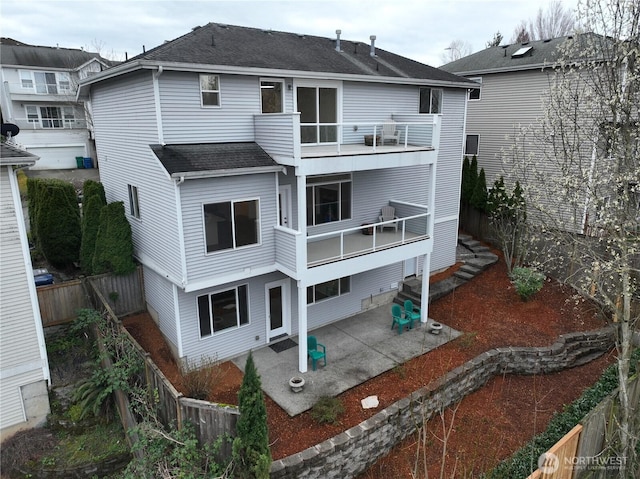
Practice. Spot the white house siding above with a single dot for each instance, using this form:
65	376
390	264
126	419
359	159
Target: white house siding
125	122
22	361
507	101
230	342
376	102
195	193
445	240
159	296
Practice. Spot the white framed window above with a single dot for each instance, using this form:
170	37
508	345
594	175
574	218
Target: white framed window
210	90
32	114
471	144
328	199
231	224
271	96
330	289
430	100
223	310
474	93
46	83
64	82
51	116
134	205
26	80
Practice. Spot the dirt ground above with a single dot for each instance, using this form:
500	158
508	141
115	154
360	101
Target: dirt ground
489	425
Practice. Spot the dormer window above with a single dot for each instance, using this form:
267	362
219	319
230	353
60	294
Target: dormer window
271	96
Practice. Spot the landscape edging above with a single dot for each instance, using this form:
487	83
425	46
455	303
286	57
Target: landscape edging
351	452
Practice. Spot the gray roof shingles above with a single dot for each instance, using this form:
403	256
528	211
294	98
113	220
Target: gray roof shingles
44	57
229	45
10	155
202	157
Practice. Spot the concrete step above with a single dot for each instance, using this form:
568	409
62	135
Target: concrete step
470	268
464	276
470	244
463	237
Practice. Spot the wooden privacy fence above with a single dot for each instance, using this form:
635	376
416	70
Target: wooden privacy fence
209	420
59	303
580	452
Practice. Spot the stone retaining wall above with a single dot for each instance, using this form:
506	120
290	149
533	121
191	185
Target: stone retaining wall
353	451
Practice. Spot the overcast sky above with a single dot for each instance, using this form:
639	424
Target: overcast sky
418	29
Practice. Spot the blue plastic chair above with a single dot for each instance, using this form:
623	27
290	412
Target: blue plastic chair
396	313
313	350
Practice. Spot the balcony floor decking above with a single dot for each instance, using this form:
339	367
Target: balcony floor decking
320	151
328	250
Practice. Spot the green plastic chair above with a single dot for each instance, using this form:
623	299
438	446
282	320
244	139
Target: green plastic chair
396	313
411	312
314	352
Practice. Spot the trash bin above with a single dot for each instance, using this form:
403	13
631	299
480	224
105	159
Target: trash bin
79	162
88	163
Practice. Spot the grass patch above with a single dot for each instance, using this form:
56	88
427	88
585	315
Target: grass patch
327	410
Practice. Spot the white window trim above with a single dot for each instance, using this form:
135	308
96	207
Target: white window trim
134	201
272	80
478	80
222	251
67	123
477	153
28	76
218	91
431	90
226	330
330	182
330	297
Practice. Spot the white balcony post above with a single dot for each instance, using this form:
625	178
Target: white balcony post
424	294
406	135
302	327
339	136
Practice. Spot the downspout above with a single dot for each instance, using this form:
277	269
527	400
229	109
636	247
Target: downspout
183	263
156	98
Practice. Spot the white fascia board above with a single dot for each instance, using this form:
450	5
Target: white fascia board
191	175
265	72
229	278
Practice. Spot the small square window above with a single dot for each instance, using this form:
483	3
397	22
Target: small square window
25	79
223	310
471	145
430	100
474	93
271	96
210	90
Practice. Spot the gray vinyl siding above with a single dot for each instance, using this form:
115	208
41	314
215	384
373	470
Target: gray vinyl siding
363	286
231	342
196	193
508	100
159	296
19	346
445	240
376	102
125	124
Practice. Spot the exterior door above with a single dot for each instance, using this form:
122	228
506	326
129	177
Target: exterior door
318	107
284	206
278	317
410	267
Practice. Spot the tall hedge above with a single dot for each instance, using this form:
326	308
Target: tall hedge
114	246
93	200
479	196
251	453
469	178
57	221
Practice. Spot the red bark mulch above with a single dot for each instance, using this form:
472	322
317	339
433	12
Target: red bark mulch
490	424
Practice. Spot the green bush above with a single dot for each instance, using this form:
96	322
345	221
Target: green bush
90	226
114	246
198	378
327	410
251	454
469	178
57	222
479	195
92	188
527	282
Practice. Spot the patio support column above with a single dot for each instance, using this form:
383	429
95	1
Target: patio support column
302	327
424	295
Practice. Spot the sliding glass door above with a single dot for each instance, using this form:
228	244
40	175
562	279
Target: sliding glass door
318	107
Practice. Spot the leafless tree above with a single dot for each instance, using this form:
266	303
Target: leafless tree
456	50
556	21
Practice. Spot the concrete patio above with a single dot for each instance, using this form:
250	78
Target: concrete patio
358	349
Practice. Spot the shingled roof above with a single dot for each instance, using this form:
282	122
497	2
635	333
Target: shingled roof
16	53
198	159
237	49
536	54
11	155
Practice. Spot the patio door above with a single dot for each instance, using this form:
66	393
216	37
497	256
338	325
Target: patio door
284	206
410	267
318	107
277	305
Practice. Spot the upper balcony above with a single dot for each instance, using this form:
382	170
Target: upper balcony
291	143
42	92
50	124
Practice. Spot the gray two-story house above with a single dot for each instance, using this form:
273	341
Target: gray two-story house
254	166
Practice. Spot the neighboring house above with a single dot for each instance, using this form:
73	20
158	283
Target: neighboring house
24	368
247	163
38	93
513	80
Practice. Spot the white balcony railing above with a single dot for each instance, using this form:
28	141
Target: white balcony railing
66	90
50	124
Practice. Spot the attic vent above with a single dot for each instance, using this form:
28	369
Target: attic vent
505	46
546	40
521	52
524	43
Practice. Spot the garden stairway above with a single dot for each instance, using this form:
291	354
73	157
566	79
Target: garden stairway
476	258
